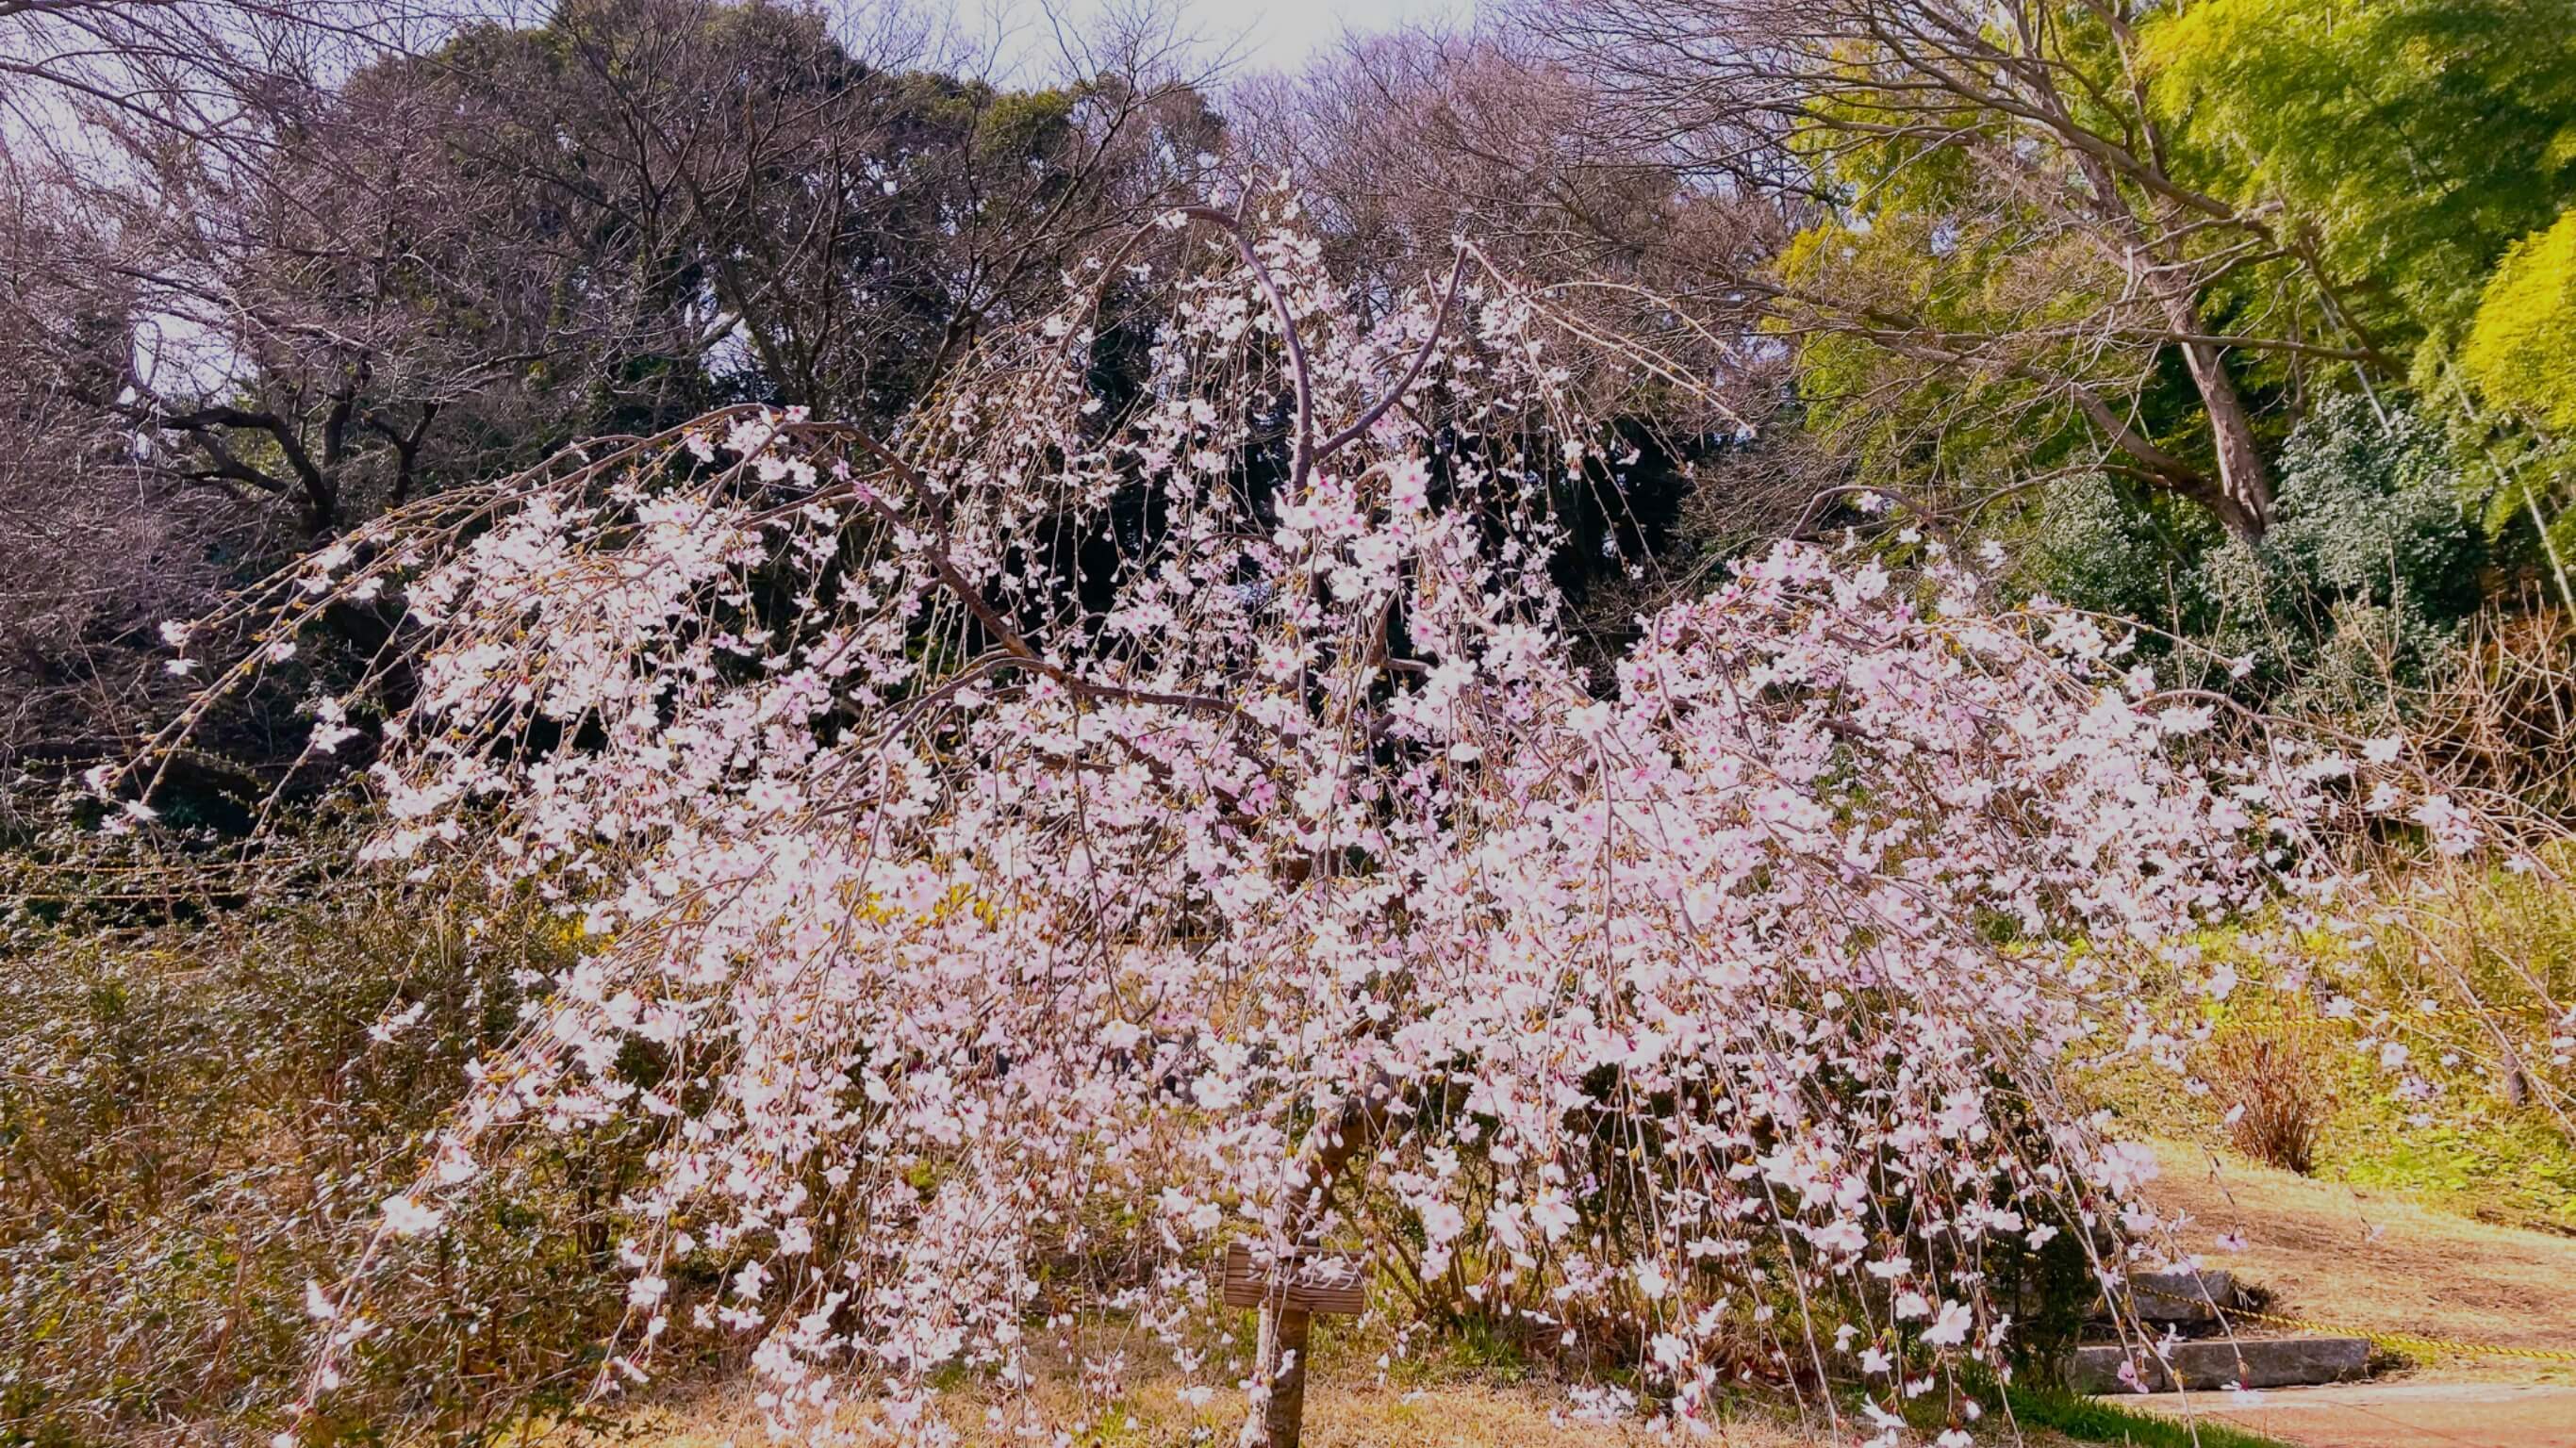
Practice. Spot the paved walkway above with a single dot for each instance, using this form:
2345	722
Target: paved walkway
2391	1415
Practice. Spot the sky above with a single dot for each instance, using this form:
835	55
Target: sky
1258	34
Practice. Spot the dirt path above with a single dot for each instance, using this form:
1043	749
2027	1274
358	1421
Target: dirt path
2378	1263
2374	1262
2394	1415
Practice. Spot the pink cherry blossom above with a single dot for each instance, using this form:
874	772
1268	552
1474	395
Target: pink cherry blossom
1280	874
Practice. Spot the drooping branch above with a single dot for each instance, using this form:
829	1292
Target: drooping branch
1422	355
1305	453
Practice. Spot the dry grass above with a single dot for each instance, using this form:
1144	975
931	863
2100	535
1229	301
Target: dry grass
2281	1089
2327	1250
1338	1415
2333	1252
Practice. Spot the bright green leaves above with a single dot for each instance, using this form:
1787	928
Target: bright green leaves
2521	349
1927	340
2420	151
2410	141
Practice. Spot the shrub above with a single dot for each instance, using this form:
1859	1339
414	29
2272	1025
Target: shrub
2504	719
2361	586
199	1120
2278	1094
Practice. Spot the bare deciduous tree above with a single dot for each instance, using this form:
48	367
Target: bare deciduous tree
2020	133
287	265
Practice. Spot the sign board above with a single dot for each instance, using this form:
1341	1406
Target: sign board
1312	1279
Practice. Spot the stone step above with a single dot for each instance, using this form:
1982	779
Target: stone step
2182	1296
2254	1362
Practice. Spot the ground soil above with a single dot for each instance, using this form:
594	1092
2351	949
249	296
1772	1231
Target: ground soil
2404	1414
1338	1415
2374	1262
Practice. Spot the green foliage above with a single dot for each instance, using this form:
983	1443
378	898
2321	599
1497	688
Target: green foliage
2098	544
2009	261
2508	393
2339	177
2370	511
2055	1289
2369	569
2091	1420
1907	418
2413	139
2368	572
2477	1134
1960	297
2521	349
2487	1144
2494	1164
1024	127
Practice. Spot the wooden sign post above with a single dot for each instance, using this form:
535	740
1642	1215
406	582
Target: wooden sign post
1288	1291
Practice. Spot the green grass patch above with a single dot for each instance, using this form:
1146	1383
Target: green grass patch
2091	1420
2493	1164
2483	1141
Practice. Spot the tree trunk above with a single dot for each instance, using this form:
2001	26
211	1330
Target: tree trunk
2244	485
2244	498
1279	1350
1279	1378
